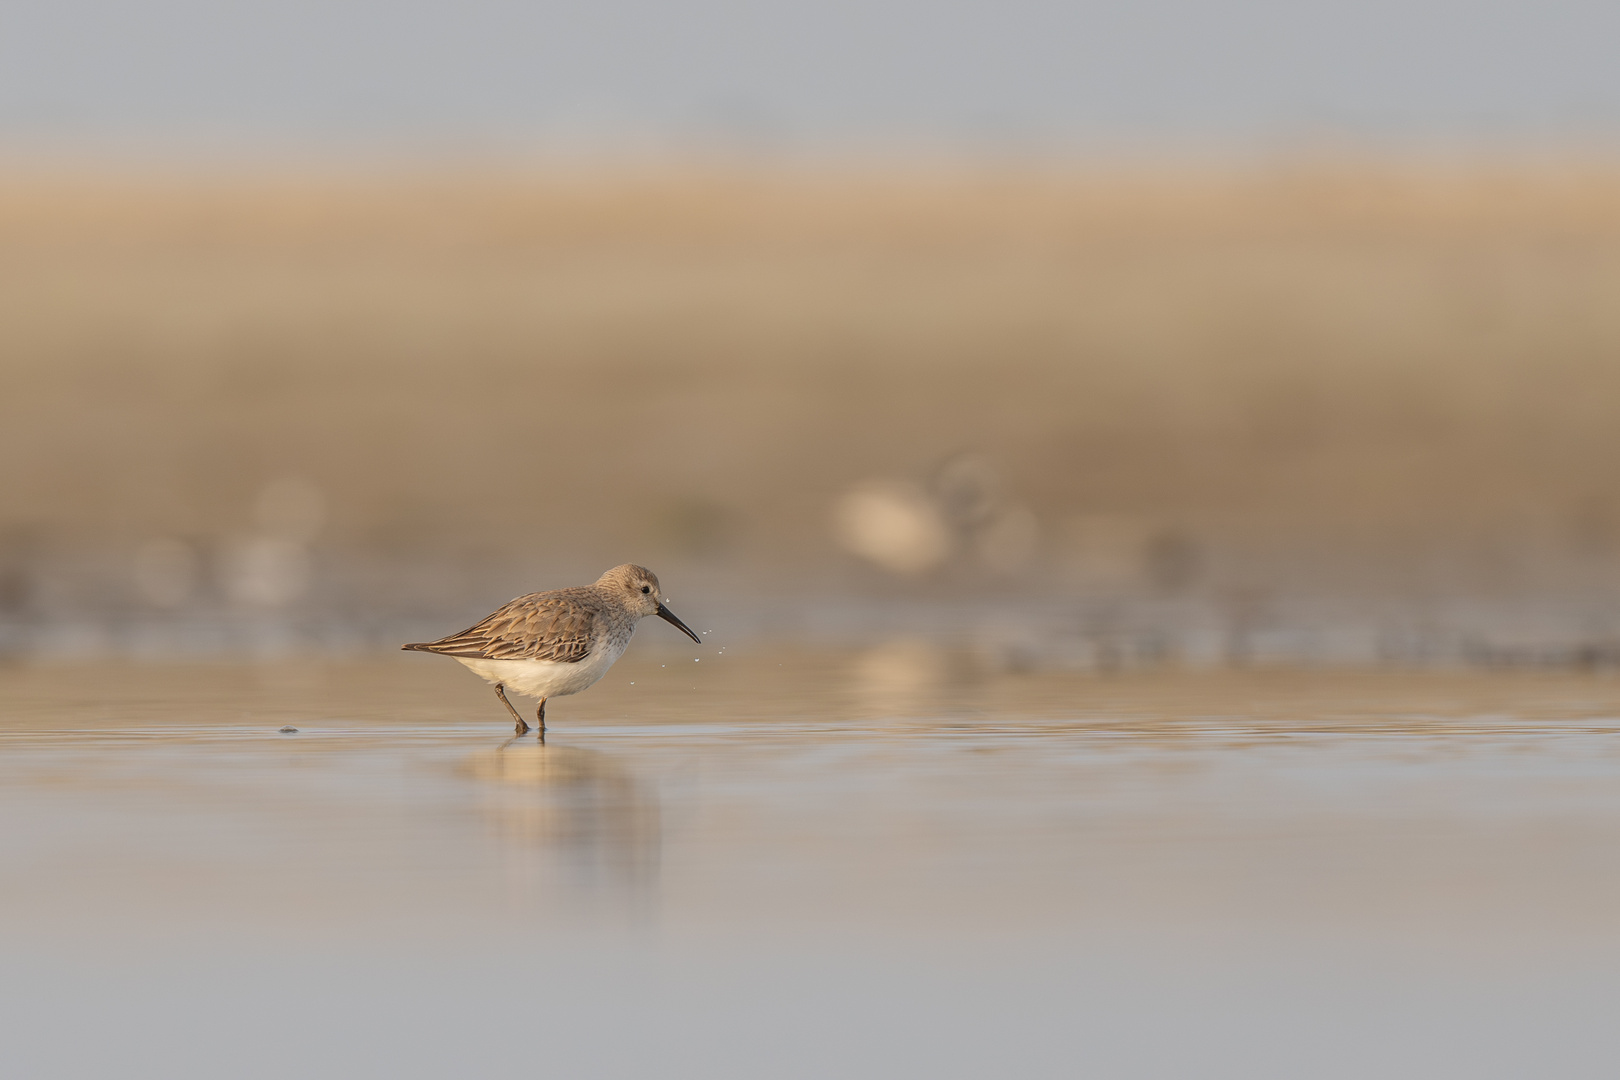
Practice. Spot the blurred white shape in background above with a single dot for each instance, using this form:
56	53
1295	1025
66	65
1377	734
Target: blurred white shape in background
912	529
266	571
273	567
166	572
896	525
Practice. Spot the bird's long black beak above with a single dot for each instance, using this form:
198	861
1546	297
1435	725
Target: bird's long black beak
669	617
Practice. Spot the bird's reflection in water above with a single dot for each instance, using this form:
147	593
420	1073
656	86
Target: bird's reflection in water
580	810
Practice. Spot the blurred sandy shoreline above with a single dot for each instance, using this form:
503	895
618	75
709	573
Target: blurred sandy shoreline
310	399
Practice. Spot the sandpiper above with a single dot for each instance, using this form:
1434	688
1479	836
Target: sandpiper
549	644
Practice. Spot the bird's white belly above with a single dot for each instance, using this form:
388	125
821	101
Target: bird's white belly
549	678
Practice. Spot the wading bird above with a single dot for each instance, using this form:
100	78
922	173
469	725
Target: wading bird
549	644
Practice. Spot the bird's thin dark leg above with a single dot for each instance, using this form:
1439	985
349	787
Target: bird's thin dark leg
540	718
522	727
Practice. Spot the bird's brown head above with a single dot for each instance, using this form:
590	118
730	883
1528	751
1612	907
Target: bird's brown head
640	589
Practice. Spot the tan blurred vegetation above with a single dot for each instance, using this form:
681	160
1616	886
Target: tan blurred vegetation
1398	366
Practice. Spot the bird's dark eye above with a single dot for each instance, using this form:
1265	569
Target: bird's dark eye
646	589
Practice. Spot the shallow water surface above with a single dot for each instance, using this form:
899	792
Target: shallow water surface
808	864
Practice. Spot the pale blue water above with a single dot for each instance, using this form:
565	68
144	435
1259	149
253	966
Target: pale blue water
864	864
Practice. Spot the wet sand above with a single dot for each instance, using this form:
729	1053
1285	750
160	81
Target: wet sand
808	863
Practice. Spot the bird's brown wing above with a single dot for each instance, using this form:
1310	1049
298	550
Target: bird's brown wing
558	626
